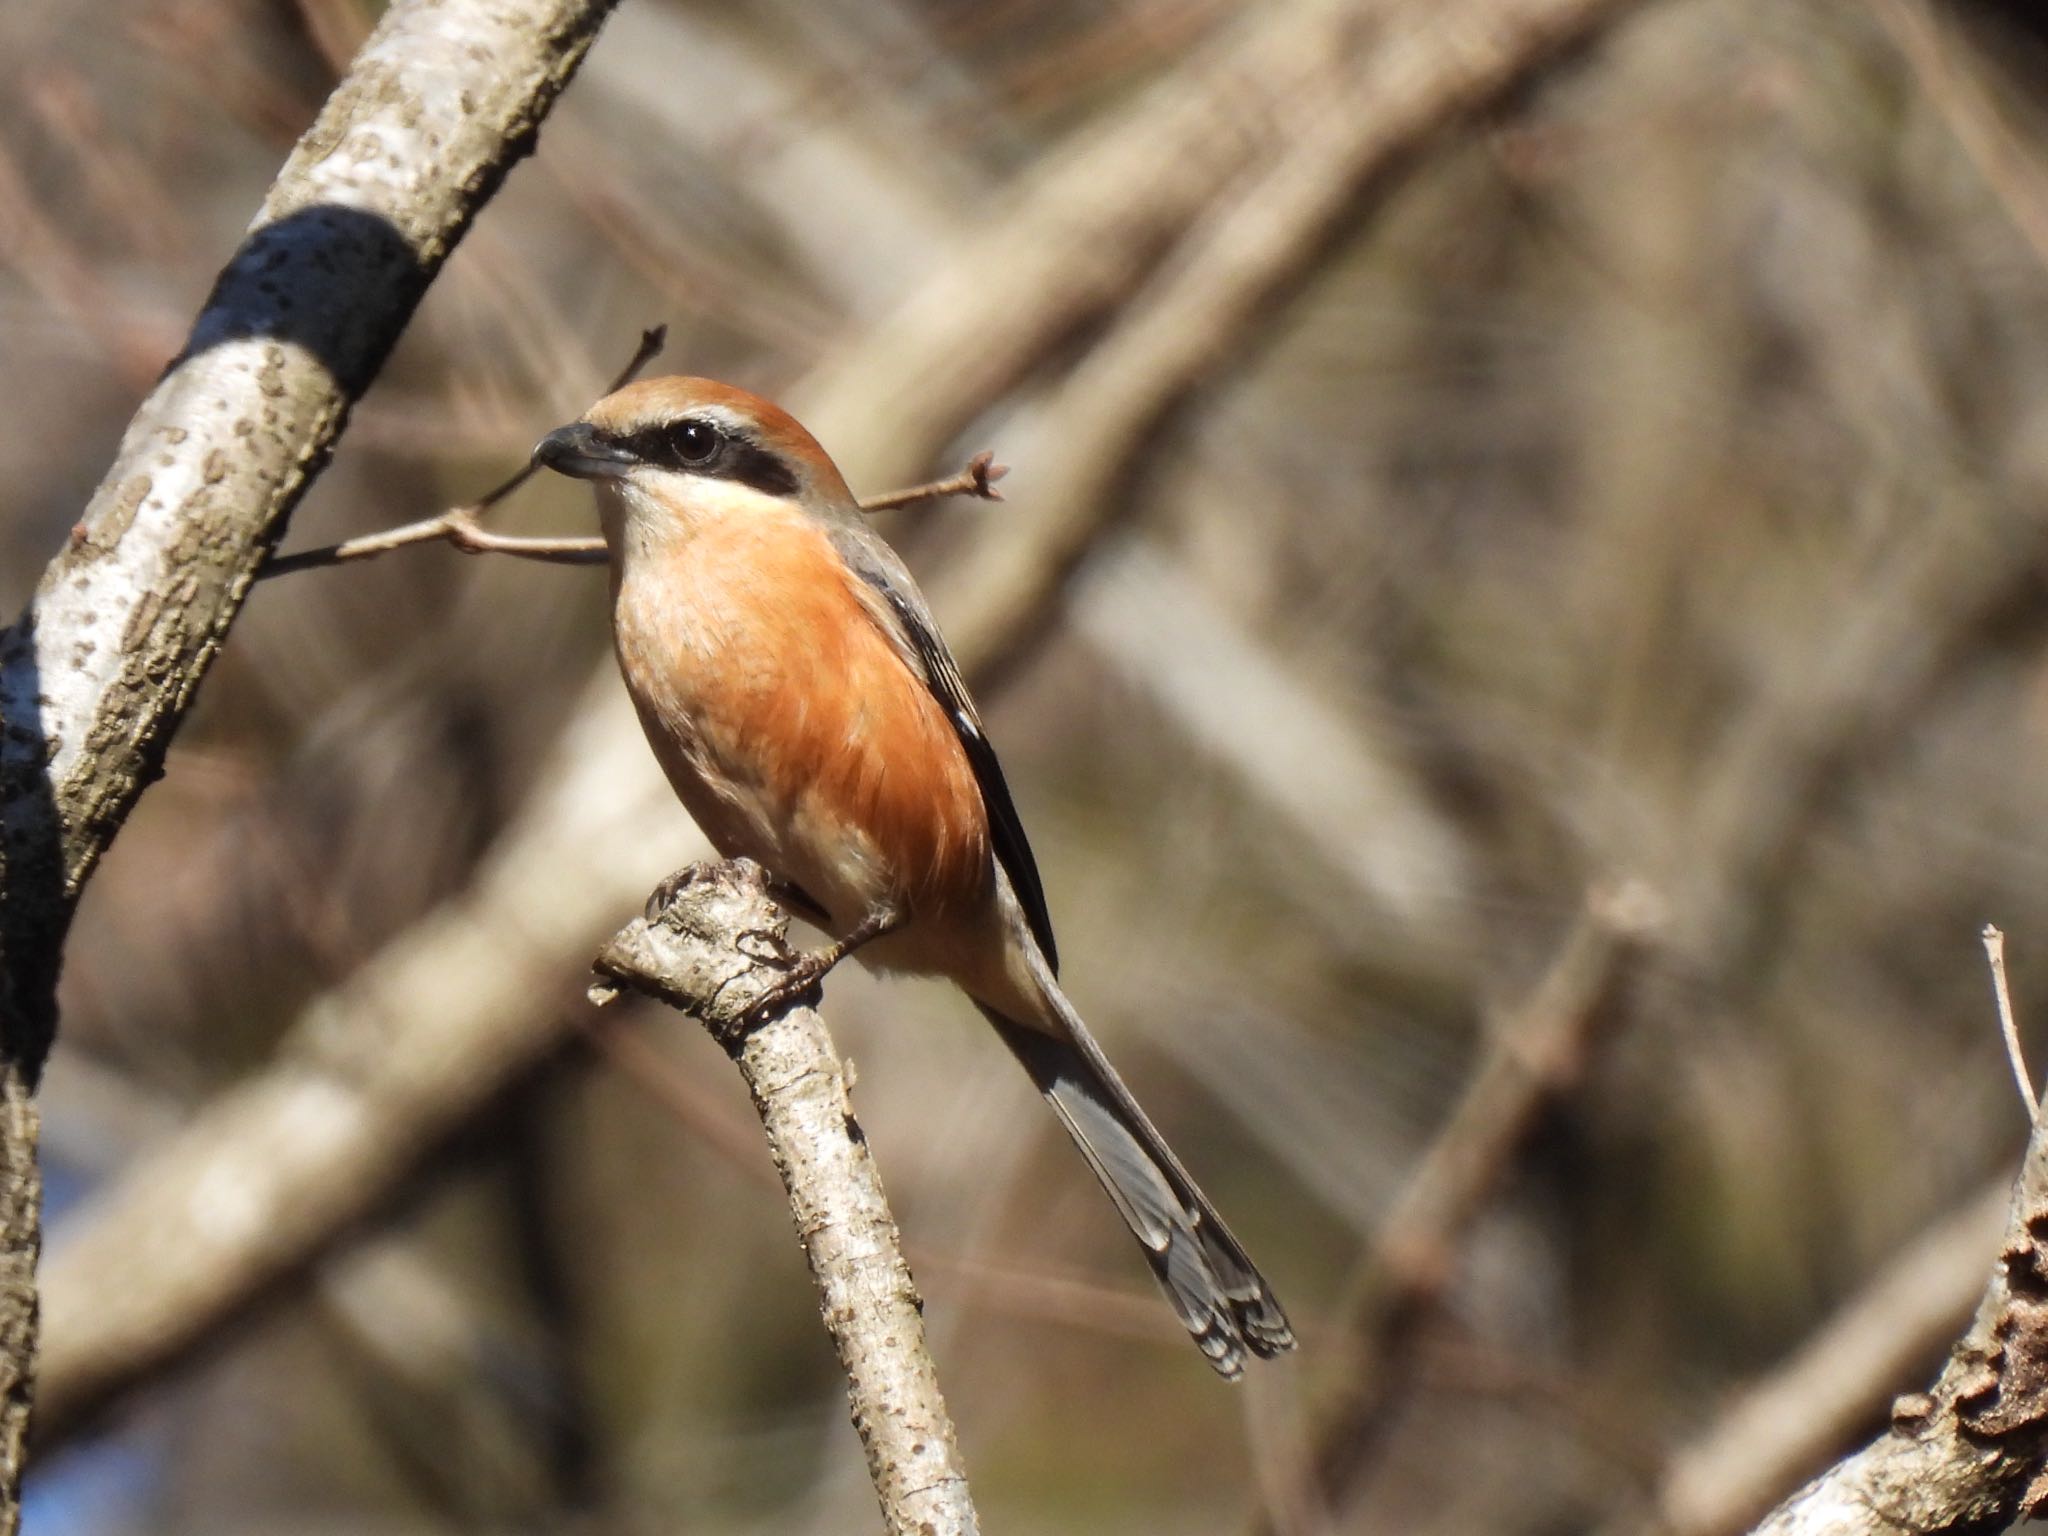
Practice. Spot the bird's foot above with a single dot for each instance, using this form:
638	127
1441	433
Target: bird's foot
801	973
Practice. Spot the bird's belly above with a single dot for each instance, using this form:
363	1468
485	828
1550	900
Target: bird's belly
796	737
788	834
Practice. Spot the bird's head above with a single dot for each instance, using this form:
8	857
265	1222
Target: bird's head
665	454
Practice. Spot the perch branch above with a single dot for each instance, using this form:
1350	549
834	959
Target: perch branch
690	956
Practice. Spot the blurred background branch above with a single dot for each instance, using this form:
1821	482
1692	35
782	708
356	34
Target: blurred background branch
1538	1053
1779	1429
1461	451
1970	1451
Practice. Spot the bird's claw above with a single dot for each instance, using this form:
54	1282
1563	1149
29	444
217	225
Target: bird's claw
801	973
767	946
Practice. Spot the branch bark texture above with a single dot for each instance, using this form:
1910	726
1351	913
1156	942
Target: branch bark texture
691	956
96	674
94	677
1794	1418
1971	1453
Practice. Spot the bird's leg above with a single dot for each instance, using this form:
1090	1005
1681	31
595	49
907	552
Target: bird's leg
806	970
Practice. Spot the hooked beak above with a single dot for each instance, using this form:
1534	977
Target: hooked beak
581	451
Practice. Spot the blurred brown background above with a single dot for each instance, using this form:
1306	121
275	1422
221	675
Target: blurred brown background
1640	481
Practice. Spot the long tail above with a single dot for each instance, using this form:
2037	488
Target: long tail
1219	1293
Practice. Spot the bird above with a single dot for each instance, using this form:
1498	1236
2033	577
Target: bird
796	690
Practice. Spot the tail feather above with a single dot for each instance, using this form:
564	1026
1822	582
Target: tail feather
1218	1292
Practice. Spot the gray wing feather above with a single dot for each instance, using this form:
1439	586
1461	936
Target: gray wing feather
904	616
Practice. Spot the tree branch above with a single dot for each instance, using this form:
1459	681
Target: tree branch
1970	1454
690	957
95	676
459	526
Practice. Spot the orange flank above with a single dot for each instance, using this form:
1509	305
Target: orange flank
792	693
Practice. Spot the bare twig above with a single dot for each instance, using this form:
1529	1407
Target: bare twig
1785	1423
459	526
977	479
2015	1053
690	957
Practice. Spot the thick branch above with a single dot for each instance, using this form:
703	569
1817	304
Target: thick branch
691	957
95	676
443	99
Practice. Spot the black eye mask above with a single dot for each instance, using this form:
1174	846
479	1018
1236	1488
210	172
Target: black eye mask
699	447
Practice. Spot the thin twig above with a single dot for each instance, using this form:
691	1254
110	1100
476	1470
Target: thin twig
977	479
690	956
458	525
1994	951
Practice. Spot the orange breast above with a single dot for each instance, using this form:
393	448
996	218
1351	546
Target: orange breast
775	686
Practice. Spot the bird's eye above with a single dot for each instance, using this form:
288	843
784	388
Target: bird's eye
694	441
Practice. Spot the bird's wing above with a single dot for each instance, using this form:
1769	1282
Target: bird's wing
900	610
